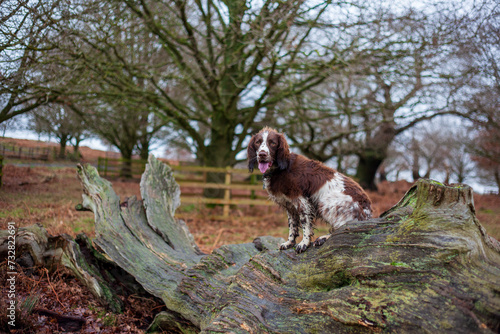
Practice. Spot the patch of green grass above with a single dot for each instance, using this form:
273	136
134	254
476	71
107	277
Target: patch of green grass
48	196
108	319
15	213
83	225
92	308
189	208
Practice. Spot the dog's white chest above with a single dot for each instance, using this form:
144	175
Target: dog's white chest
265	184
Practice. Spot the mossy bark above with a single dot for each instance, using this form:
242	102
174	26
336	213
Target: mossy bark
426	265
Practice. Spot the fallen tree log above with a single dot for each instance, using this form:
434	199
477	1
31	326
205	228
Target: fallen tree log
104	279
425	265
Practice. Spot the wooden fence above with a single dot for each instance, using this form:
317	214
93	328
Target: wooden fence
109	167
240	187
1	170
19	152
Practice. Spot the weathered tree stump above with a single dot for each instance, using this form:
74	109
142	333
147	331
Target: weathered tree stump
426	265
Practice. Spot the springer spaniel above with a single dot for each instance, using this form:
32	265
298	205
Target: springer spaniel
305	188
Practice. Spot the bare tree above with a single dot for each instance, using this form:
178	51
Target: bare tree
131	128
61	122
486	153
480	55
221	66
403	77
458	163
439	150
23	33
104	54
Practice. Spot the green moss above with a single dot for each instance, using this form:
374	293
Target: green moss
446	325
400	264
335	277
436	183
265	271
341	279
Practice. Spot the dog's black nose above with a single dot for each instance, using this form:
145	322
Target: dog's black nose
262	154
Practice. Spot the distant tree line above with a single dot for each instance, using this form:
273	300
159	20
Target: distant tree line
360	85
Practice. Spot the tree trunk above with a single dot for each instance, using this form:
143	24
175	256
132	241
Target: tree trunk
218	154
415	162
76	148
63	141
368	165
144	147
126	168
426	265
374	152
496	174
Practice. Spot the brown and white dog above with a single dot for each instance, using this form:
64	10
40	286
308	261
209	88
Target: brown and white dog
305	188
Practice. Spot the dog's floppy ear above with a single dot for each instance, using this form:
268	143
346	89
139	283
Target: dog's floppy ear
283	153
251	154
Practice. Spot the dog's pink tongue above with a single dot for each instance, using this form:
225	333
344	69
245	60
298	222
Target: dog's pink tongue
263	166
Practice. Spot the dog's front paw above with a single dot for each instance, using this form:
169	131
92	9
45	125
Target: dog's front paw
287	245
302	246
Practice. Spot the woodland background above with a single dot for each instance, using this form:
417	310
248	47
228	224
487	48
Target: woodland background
376	90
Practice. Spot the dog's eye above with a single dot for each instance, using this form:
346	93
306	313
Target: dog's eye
272	143
258	142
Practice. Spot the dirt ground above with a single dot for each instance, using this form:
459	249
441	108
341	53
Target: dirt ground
48	195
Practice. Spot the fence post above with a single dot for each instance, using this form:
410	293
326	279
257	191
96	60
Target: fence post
99	165
105	166
253	180
227	192
1	170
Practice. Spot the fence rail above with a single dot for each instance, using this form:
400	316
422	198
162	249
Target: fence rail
12	151
109	167
20	152
239	187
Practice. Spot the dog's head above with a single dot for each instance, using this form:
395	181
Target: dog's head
269	150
